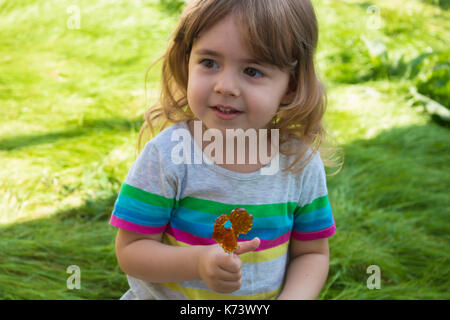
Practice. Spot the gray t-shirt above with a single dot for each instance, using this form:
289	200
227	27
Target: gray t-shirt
182	200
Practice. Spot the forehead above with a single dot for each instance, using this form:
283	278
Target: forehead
223	39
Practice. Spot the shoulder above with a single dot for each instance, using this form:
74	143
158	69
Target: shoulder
314	169
159	148
165	141
310	176
314	161
310	158
166	138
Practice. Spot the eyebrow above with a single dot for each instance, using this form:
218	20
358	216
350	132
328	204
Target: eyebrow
213	53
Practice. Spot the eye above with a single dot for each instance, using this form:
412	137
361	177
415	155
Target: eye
208	63
254	73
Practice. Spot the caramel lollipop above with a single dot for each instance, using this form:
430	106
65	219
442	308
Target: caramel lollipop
241	222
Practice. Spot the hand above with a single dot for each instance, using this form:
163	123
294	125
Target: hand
222	271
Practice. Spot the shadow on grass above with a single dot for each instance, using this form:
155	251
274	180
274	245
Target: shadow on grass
35	255
391	207
390	204
406	169
88	127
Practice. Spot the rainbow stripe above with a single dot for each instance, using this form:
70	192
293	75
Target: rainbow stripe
190	221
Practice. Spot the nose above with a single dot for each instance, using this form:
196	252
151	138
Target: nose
226	84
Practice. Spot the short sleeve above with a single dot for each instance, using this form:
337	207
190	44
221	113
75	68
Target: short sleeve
313	218
147	195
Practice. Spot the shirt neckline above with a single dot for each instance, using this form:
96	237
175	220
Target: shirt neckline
216	168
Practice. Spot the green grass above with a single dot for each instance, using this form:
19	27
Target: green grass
71	104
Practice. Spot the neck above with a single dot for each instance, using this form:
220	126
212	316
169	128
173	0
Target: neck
235	149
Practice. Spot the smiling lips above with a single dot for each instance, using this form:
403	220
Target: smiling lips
226	112
226	109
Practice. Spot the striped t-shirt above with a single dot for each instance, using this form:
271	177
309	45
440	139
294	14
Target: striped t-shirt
183	201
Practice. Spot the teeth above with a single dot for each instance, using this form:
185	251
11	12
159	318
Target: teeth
225	110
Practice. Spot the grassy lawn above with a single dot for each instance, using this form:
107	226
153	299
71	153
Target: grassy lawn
72	101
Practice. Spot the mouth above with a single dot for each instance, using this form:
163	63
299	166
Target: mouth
226	109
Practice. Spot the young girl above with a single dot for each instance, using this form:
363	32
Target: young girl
231	64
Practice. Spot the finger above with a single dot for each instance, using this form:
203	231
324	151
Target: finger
228	286
247	246
230	263
229	276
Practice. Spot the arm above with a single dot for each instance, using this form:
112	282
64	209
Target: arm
307	270
145	257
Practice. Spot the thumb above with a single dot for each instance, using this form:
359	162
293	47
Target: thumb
247	246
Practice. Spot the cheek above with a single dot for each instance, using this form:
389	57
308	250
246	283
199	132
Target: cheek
197	87
264	100
191	90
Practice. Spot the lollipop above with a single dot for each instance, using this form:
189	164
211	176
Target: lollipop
241	222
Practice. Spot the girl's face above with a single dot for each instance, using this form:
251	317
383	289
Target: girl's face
221	72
